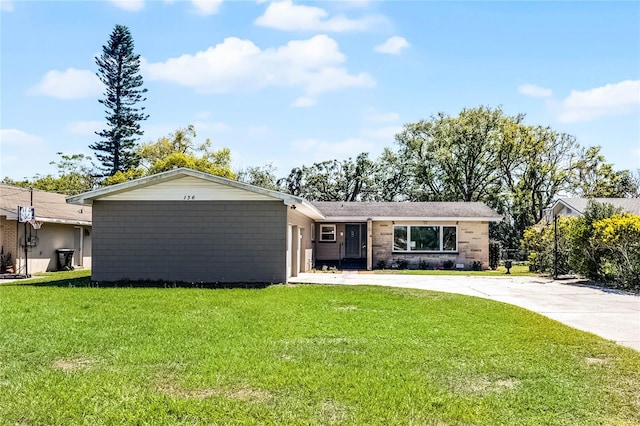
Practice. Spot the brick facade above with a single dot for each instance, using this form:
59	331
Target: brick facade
473	245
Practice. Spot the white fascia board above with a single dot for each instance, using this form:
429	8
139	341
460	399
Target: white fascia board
304	207
64	221
410	219
87	198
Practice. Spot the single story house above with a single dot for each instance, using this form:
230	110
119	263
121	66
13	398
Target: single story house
56	225
577	206
192	227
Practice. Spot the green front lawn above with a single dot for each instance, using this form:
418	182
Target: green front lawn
304	354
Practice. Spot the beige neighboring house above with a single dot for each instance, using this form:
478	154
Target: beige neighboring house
57	226
577	206
191	227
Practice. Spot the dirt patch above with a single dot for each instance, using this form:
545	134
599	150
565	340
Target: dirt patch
484	385
332	412
241	394
72	364
596	361
346	308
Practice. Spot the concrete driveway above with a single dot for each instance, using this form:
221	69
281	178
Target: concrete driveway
609	314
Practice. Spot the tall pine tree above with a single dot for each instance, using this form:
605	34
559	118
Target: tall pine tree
118	69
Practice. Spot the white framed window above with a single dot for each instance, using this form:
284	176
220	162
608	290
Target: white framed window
425	238
328	233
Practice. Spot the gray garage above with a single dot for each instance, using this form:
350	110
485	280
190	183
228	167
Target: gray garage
185	226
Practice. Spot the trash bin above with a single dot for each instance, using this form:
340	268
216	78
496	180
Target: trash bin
65	259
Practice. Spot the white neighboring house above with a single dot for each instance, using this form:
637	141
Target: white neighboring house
577	206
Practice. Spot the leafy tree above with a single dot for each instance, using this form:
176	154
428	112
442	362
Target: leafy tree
595	178
455	158
262	176
74	176
118	69
619	237
333	180
584	256
539	241
177	150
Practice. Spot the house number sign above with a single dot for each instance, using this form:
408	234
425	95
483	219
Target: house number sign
189	197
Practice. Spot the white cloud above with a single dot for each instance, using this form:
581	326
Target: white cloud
304	101
611	99
286	16
381	117
206	7
386	133
18	160
205	127
85	128
69	84
7	5
534	91
393	46
130	5
239	65
15	137
324	150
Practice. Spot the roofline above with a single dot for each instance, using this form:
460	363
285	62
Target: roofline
55	220
563	201
412	218
87	198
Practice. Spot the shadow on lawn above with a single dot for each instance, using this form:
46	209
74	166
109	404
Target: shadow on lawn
85	282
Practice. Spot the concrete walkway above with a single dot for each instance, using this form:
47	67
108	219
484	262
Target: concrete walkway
609	314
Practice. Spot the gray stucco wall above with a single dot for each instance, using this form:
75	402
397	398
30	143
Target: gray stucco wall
189	241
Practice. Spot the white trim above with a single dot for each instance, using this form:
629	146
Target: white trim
322	233
355	219
440	236
87	198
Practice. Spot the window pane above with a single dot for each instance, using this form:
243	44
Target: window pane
327	233
400	238
425	238
449	240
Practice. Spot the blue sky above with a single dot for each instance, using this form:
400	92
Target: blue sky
298	82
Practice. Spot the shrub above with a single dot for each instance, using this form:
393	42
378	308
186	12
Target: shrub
495	253
539	241
617	239
447	264
477	265
381	264
423	264
585	257
402	263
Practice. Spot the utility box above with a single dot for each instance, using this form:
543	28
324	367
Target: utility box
65	259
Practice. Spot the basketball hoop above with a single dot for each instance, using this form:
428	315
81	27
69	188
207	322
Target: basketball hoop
35	223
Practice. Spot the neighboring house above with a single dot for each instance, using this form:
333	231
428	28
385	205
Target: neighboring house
191	227
57	225
577	206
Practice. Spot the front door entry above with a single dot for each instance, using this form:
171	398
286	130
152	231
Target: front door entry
353	242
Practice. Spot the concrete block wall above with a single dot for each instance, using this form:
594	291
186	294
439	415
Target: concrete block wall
473	245
189	241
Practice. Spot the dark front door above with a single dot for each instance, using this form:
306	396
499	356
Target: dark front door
352	242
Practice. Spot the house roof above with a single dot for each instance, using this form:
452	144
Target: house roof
629	205
362	211
49	207
120	190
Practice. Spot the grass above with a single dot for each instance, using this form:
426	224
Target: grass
516	270
298	355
